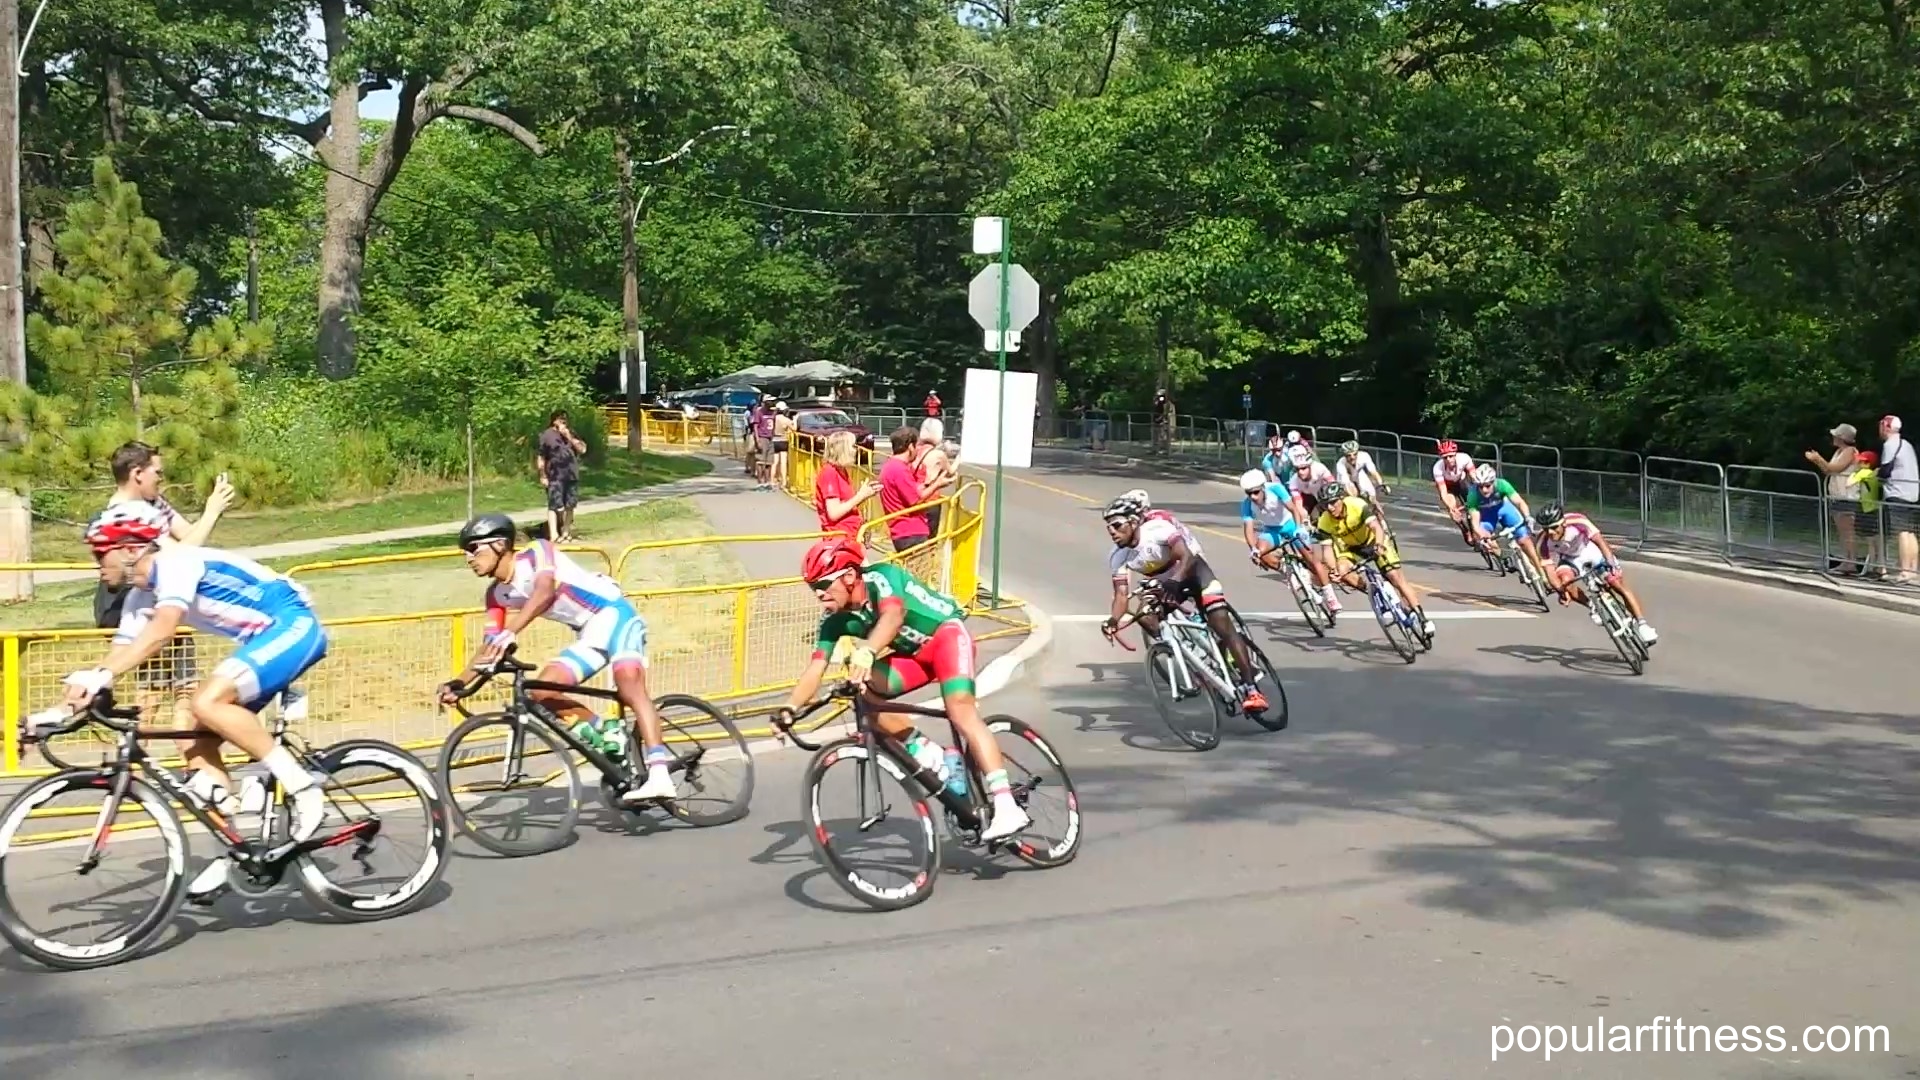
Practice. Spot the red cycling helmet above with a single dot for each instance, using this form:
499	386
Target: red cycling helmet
831	557
128	524
1448	446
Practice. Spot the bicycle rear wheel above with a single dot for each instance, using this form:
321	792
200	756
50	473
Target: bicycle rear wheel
511	784
41	848
1043	789
1274	717
889	872
1175	686
381	800
713	769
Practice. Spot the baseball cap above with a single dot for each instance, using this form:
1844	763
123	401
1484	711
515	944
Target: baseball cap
1868	458
1844	431
1892	421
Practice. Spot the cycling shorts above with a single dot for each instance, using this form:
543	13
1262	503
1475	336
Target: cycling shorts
1379	550
947	658
1503	515
1202	586
1587	560
1458	489
270	661
1278	536
616	634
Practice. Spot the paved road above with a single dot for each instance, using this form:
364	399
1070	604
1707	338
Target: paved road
1512	830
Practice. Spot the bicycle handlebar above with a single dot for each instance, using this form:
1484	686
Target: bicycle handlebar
845	690
484	674
101	710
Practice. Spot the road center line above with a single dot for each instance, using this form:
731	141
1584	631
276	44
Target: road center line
1436	616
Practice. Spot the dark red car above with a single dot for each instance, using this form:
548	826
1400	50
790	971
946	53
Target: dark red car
822	422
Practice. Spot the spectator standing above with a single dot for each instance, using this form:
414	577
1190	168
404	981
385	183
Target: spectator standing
782	437
933	403
763	443
138	474
1165	418
557	460
1866	528
835	498
1900	475
1842	501
900	488
936	470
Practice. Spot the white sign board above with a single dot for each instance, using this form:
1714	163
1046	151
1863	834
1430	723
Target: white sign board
989	235
1023	297
993	341
981	402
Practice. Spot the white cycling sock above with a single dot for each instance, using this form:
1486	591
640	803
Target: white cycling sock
292	775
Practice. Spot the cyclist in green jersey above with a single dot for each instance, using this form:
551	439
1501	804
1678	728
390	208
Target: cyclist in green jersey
882	606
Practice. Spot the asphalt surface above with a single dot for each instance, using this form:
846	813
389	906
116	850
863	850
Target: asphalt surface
1513	830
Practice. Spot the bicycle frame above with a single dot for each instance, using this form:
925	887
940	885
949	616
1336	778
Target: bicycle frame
1178	631
1383	593
968	811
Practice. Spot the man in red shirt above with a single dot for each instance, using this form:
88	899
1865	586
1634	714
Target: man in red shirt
933	403
900	488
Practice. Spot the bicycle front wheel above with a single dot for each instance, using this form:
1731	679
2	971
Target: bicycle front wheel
511	784
87	880
1388	613
1613	619
1176	690
385	836
878	839
1312	606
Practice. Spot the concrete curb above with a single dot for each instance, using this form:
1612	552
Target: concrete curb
1885	602
999	674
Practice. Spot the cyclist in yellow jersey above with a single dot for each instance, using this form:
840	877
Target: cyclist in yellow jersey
1351	523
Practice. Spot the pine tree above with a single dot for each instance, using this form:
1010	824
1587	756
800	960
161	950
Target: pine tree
113	359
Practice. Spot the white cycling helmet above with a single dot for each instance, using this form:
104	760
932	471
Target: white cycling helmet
1252	480
1139	495
1300	456
1484	474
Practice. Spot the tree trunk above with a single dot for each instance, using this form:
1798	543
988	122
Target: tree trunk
114	98
1046	365
349	205
629	293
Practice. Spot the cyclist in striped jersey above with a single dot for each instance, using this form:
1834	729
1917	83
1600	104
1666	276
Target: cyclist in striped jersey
540	581
220	593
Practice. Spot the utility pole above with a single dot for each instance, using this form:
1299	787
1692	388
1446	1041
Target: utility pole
253	274
629	293
13	320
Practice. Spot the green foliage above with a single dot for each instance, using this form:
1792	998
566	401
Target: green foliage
117	361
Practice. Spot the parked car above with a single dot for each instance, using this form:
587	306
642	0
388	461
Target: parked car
821	423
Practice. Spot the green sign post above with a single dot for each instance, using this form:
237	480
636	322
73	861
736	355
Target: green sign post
1002	298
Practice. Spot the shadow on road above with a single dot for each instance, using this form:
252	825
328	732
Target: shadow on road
1710	814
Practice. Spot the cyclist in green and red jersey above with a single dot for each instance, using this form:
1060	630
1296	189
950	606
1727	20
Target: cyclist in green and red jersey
884	606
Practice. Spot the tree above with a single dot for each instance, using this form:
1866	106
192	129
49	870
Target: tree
119	358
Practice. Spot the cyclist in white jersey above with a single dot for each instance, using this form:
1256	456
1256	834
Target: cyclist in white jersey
1451	475
220	593
540	581
1571	545
1304	481
1357	473
1159	548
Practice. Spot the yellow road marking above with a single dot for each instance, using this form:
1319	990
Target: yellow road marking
1418	588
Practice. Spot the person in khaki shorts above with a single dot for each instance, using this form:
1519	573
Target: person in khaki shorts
138	474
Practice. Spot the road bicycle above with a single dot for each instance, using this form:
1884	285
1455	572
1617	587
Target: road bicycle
1612	613
875	756
38	846
1288	564
1513	560
1397	619
536	794
1186	662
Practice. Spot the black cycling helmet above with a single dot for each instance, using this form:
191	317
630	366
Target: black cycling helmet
1332	491
486	527
1550	515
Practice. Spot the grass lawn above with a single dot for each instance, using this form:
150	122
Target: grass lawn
442	583
239	528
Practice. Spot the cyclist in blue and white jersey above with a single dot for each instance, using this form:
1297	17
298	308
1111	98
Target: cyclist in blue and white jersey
220	593
540	581
1267	522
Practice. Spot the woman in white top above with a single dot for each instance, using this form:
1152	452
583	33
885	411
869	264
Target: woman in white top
1843	496
782	440
936	468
